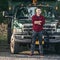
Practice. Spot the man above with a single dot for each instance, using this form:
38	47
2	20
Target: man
38	21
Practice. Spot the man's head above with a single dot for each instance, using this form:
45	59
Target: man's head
38	11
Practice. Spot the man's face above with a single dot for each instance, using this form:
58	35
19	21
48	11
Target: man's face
38	11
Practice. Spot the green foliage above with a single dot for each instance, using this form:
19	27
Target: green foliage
58	7
3	5
2	19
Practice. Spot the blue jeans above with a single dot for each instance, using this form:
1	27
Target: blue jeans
35	36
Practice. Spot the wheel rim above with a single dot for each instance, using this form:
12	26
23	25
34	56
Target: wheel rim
12	46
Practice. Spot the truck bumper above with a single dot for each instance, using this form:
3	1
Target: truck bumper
23	40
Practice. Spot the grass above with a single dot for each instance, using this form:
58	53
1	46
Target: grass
3	40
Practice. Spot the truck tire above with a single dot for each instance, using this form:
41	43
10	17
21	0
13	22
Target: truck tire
9	30
9	35
14	46
57	49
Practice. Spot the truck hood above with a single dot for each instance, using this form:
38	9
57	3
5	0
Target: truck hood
18	25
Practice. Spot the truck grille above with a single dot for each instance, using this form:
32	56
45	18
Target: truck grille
50	28
27	33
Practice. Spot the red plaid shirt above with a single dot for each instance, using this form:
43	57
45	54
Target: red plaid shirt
37	27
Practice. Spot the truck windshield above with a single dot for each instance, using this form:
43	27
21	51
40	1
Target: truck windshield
27	12
48	12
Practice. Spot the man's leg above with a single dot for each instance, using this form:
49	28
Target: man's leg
40	42
34	35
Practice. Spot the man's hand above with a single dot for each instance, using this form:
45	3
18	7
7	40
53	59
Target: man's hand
37	22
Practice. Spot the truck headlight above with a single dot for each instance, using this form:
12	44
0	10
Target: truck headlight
22	36
19	36
53	24
17	30
58	30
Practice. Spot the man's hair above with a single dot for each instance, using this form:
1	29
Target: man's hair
37	8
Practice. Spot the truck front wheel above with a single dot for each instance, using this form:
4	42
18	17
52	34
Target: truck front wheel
14	46
57	48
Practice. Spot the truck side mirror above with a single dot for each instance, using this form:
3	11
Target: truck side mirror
6	14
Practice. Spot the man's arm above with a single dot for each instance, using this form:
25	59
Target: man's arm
43	21
37	22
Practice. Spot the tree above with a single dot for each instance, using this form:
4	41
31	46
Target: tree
3	5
